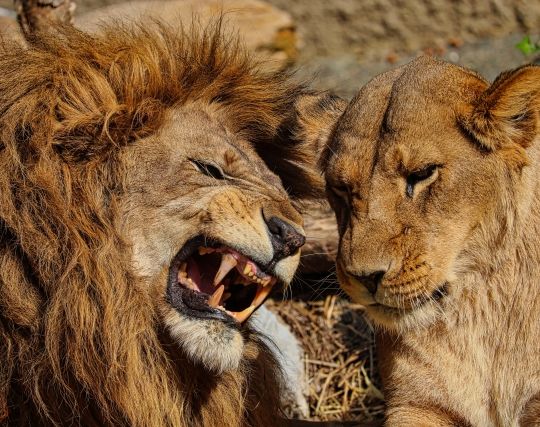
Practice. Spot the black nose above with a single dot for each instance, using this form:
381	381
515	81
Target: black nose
371	281
285	239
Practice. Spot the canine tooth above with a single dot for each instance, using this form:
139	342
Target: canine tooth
247	269
228	262
262	293
214	300
242	316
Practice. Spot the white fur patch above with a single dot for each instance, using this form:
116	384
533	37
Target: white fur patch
211	343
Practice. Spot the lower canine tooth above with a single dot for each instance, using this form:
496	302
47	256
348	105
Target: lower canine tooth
213	301
261	295
244	314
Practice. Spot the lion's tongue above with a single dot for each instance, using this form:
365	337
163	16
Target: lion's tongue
203	281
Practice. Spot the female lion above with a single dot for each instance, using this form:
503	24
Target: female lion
434	177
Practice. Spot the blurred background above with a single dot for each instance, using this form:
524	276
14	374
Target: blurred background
327	348
346	42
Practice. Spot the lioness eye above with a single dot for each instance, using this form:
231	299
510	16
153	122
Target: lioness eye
414	178
209	169
341	191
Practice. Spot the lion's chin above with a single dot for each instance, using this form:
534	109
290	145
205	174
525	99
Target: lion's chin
401	320
210	343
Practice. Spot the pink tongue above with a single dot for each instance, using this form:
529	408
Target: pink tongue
193	272
204	283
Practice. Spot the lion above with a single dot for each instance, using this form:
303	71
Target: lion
433	176
141	225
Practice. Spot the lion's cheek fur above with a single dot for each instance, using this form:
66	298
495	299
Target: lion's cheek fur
210	343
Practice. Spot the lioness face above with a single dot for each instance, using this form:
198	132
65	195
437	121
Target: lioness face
413	193
212	231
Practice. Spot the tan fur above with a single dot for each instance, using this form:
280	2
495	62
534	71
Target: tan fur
97	194
457	303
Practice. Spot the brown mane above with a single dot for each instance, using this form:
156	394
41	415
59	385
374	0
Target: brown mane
78	338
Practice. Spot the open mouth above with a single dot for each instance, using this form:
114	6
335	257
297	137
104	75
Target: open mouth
213	281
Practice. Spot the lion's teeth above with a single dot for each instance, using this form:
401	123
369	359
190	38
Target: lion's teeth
247	269
266	282
213	301
261	295
244	314
182	273
228	262
188	283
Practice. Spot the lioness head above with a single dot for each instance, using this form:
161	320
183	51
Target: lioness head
420	171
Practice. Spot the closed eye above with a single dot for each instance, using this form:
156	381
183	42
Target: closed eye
425	176
209	169
341	192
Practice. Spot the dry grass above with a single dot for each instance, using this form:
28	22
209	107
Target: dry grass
339	359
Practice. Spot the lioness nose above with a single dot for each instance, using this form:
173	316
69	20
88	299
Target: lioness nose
371	281
286	240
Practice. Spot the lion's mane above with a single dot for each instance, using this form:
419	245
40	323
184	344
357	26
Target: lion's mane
78	335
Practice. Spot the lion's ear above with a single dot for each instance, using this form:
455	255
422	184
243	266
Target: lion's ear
303	136
508	111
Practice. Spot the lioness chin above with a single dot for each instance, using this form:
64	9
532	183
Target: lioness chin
434	175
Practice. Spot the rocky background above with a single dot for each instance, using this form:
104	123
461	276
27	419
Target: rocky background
346	42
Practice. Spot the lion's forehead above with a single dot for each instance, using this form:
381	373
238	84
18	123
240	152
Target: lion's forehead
404	113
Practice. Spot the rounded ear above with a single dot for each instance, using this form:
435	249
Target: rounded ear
507	112
295	152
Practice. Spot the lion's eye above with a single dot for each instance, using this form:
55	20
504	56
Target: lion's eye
209	169
341	191
428	173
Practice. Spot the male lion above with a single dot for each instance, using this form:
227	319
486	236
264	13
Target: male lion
434	177
139	228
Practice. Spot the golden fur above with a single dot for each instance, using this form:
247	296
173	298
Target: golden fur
434	176
97	193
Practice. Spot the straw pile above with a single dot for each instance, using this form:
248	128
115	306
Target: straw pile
339	359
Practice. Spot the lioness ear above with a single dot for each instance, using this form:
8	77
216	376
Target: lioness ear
295	153
507	112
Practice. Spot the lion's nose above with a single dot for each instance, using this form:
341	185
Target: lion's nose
286	240
370	280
